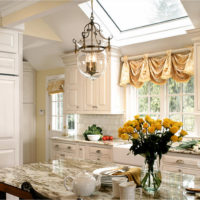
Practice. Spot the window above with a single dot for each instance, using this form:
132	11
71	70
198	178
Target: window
57	112
71	121
132	12
125	19
180	99
149	99
173	100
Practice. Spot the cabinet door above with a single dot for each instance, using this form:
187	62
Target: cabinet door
102	93
8	63
73	93
8	41
89	93
9	121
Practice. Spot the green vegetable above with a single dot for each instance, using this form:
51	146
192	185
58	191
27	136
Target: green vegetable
93	130
187	144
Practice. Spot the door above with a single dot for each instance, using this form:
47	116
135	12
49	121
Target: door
9	121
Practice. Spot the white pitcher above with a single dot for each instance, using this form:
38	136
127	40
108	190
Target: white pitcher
83	184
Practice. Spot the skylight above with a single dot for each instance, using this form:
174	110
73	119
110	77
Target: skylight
135	21
132	14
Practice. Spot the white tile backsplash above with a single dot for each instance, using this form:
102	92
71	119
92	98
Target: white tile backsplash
109	123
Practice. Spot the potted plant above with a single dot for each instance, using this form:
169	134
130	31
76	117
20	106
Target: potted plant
93	133
151	139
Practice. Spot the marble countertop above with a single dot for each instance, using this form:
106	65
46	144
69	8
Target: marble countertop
47	178
115	143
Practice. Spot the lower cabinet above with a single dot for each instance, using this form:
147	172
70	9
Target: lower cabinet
63	150
179	162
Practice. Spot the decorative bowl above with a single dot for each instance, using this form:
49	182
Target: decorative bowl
93	137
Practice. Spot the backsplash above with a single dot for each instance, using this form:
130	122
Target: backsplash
109	123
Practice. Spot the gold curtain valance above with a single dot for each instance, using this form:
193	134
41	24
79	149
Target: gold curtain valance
179	66
55	87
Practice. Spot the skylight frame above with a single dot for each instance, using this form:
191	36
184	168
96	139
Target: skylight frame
139	35
131	29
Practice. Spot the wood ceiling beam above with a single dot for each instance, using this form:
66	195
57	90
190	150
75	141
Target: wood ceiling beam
37	10
40	29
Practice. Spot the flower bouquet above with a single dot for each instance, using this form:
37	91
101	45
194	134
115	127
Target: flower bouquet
151	139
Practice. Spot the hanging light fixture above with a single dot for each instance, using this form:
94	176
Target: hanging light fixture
92	50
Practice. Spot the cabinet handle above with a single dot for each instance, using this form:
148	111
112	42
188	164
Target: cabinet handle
180	162
77	107
62	154
98	151
69	147
80	149
94	106
56	146
98	158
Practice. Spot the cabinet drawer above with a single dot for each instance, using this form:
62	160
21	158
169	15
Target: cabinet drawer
181	161
184	170
69	149
8	41
98	151
8	63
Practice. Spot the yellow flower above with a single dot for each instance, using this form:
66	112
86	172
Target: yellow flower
124	130
135	136
173	129
159	121
125	136
141	121
147	118
120	131
174	138
134	123
166	124
180	139
144	130
183	133
137	116
130	129
158	126
145	125
138	128
128	123
151	129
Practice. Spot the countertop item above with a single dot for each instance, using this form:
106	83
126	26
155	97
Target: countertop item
48	179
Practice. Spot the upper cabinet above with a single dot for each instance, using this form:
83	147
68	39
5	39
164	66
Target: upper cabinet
8	41
101	96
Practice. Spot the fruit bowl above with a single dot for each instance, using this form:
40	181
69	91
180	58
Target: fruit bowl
93	137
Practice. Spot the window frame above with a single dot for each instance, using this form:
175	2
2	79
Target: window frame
132	93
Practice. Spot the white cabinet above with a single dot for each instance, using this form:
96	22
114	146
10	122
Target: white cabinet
101	96
73	90
79	150
185	163
29	116
101	154
11	95
8	41
9	121
8	63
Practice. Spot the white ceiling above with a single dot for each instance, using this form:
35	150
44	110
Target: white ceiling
68	23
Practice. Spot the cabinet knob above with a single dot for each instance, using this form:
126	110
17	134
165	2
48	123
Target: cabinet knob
77	107
69	147
98	151
94	106
98	158
180	162
80	149
62	155
56	145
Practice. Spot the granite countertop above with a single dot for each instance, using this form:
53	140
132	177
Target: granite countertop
47	178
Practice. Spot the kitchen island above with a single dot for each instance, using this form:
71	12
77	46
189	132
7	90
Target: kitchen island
47	178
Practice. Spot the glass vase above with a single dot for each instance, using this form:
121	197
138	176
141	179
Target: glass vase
151	177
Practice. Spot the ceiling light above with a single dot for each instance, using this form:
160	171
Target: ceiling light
92	50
